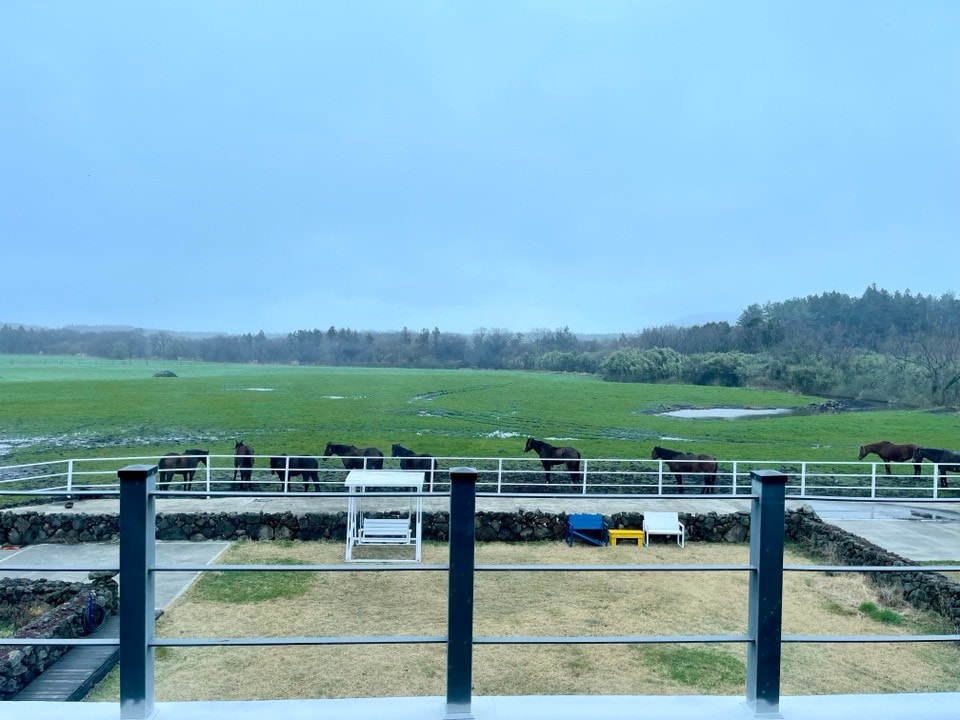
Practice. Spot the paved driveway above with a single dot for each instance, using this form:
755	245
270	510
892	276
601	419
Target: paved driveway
169	585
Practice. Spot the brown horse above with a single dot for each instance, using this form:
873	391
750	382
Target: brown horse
681	463
242	461
409	460
551	455
354	458
939	457
889	452
184	465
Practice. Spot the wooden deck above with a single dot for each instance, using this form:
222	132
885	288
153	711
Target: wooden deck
72	676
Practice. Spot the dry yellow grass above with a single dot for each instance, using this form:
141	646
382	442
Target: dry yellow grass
545	603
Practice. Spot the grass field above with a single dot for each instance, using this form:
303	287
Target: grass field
528	603
79	407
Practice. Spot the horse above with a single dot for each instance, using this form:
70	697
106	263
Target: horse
287	467
938	457
354	458
551	455
681	463
409	460
889	452
242	461
184	465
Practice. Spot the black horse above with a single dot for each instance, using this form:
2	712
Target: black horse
242	462
939	456
681	463
409	460
182	464
551	455
287	467
354	458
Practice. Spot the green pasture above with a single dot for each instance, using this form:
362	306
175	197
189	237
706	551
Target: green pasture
61	407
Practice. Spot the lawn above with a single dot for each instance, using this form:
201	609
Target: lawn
530	603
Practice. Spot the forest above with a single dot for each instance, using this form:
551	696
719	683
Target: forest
897	348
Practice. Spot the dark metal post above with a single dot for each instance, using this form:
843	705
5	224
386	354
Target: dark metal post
463	503
137	553
766	592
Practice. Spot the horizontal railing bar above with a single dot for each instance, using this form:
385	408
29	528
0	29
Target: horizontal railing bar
610	639
406	567
76	642
55	568
871	568
612	568
868	638
328	640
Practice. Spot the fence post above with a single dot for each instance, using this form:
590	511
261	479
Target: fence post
873	482
70	476
765	615
584	491
499	475
936	480
659	477
286	474
463	503
137	552
734	477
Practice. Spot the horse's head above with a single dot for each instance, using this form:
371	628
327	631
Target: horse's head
397	450
657	453
918	455
529	446
237	446
862	454
328	450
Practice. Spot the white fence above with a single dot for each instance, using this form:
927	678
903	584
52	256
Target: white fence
498	475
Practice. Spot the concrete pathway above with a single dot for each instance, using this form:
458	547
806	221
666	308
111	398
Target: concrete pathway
169	585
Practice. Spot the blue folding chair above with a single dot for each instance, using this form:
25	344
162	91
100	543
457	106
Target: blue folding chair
589	527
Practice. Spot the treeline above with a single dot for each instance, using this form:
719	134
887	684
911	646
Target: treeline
891	347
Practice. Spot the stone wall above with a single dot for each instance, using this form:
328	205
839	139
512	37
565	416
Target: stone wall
20	664
32	528
923	590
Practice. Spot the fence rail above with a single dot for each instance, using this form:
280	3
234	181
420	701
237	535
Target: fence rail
762	637
500	476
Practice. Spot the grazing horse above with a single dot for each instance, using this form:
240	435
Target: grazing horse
551	455
354	458
242	461
184	465
939	457
889	452
409	460
681	463
287	467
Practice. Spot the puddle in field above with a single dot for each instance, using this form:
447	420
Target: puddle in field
502	434
726	413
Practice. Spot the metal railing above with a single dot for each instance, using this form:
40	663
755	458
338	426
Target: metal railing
497	475
763	635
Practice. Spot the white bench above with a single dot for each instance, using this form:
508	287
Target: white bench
662	523
386	531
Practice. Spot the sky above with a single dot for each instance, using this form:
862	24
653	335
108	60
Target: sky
606	166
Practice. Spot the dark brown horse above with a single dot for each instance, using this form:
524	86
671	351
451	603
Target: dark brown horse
681	463
242	461
938	456
286	467
889	452
354	458
551	455
409	460
182	464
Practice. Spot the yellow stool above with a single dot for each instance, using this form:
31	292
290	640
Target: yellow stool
615	535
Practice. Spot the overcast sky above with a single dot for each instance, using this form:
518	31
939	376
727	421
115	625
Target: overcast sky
607	166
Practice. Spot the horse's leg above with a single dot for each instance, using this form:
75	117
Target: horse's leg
679	478
916	469
886	465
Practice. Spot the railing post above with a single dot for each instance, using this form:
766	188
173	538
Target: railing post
286	474
803	479
584	491
734	477
765	615
463	503
659	477
936	480
70	475
873	482
137	552
499	475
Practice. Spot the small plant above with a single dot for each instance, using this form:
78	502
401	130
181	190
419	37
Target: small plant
883	615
